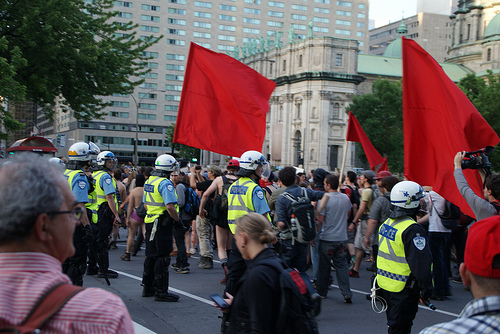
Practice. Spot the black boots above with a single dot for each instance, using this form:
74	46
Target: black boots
162	294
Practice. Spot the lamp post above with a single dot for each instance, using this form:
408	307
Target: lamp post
137	107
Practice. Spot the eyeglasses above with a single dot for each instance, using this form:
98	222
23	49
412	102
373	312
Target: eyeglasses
77	212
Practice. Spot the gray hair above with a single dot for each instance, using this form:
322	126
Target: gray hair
29	186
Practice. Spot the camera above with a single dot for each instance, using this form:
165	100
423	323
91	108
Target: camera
198	167
477	159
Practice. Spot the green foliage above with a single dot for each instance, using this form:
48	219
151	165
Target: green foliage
71	49
485	96
183	151
381	116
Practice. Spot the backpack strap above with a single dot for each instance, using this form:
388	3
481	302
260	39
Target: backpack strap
47	306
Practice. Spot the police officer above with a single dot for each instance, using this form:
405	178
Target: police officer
160	201
404	258
244	196
80	160
107	214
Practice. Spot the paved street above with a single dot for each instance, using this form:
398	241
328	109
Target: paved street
194	312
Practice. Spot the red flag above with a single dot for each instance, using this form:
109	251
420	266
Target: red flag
356	133
383	166
223	104
439	121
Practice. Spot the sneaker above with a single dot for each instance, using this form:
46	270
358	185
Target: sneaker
110	273
206	263
175	266
317	303
125	256
192	251
182	270
372	268
352	262
347	300
353	273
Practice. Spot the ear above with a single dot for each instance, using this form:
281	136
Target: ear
465	274
41	227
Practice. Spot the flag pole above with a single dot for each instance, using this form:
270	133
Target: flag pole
343	163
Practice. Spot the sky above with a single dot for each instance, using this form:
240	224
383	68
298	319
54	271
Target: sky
388	11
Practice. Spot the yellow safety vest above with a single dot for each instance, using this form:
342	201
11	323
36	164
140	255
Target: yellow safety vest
239	199
92	204
100	195
392	269
154	201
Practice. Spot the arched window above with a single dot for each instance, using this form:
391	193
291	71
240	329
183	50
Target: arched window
488	55
313	134
312	157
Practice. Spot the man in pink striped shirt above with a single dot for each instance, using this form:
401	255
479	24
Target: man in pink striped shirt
38	215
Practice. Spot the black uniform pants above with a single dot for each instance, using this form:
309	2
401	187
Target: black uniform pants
101	230
157	250
76	265
402	309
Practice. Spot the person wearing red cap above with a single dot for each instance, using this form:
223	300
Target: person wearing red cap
480	271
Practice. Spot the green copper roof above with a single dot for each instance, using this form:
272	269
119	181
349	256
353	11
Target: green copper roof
393	67
493	27
394	49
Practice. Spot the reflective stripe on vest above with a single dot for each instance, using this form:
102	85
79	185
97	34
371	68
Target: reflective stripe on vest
100	195
392	269
154	200
239	198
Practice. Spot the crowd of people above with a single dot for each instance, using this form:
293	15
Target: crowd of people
248	214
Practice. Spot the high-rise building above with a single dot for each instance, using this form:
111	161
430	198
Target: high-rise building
226	26
442	7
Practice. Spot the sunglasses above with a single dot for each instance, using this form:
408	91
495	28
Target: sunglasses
77	212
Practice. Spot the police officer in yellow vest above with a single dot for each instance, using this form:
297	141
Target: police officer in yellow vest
107	214
80	159
244	196
160	201
404	258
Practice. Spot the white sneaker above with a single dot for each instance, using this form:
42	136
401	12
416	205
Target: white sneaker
192	251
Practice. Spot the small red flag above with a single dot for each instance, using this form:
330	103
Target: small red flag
438	121
223	104
356	133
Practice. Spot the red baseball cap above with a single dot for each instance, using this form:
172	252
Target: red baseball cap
483	244
382	174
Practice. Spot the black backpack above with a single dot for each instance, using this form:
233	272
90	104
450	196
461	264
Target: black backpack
192	201
302	222
450	216
296	308
221	202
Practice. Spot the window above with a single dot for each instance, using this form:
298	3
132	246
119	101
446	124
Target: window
223	47
321	10
227	7
120	114
299	7
148	85
172	98
202	34
320	29
118	127
344	3
321	19
176	88
284	64
299	27
146	129
205	45
173	67
227	18
361	6
343	32
180	2
300	60
120	104
147	96
150	7
147	116
119	35
343	22
151	75
177	21
343	13
360	34
227	28
123	4
275	24
150	28
174	77
251	11
360	24
251	31
361	15
275	14
299	17
175	42
338	59
171	56
150	106
203	4
202	25
255	2
251	21
150	54
177	11
227	38
323	1
125	15
335	110
151	18
488	55
171	108
276	4
170	118
203	14
361	43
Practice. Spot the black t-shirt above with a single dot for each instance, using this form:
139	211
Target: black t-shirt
203	186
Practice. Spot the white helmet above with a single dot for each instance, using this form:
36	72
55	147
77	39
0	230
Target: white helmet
407	194
80	151
166	162
103	156
94	150
250	160
57	161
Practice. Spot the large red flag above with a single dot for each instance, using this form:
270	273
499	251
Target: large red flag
438	121
384	166
356	133
223	104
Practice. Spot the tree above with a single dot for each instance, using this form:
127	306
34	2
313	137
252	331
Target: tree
381	116
485	96
70	49
184	151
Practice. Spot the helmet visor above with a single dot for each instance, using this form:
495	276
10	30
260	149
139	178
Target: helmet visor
266	170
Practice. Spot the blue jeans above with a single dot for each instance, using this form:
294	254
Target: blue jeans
315	257
335	250
294	256
439	243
